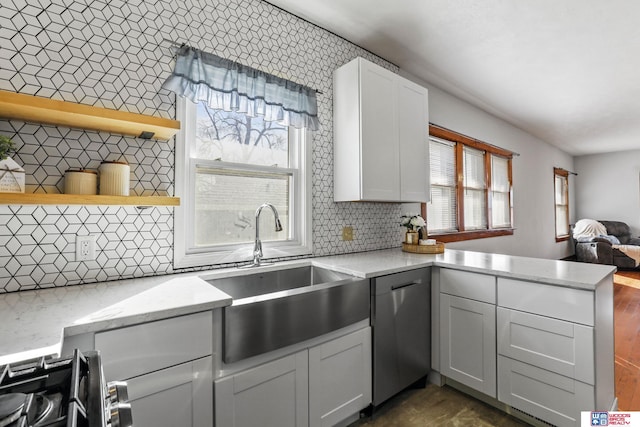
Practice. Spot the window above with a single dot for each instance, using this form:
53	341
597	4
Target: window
561	184
227	165
470	188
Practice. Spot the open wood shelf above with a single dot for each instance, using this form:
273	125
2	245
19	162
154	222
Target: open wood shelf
29	108
77	199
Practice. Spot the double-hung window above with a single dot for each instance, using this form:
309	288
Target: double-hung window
470	188
227	165
561	186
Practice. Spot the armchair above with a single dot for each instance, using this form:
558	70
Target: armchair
599	249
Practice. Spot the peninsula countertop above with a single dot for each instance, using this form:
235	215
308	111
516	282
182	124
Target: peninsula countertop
34	323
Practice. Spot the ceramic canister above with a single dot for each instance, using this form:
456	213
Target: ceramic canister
80	181
114	178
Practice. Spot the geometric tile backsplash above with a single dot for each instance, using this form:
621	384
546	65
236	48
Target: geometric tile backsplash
115	54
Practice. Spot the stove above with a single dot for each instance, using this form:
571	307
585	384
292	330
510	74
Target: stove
62	392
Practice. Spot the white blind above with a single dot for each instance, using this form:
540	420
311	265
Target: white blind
441	211
475	217
500	192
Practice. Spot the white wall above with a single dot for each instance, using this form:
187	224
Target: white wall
532	176
608	187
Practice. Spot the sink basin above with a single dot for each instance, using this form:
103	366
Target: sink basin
267	282
277	308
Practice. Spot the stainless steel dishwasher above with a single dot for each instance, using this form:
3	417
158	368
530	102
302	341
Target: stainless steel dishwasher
401	322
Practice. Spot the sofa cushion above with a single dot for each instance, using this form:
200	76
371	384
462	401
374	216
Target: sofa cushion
619	229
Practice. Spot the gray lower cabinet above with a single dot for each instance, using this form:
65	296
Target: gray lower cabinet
272	394
549	348
555	350
167	365
319	386
339	378
467	329
178	396
467	342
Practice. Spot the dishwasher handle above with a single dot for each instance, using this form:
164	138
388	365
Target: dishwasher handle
406	285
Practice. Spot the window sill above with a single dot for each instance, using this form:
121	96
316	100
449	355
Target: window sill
471	235
562	238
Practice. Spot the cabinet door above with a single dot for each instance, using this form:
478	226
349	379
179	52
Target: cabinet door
339	378
379	153
275	394
413	136
468	342
178	396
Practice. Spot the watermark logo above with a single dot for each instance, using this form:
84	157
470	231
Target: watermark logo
611	418
599	418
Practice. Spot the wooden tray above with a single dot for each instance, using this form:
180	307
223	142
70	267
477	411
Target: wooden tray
438	248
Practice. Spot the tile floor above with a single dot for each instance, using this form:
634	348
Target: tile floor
435	406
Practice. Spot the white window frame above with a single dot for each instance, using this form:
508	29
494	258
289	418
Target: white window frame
184	255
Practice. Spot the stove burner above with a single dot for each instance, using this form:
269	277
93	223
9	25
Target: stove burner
68	391
43	407
11	406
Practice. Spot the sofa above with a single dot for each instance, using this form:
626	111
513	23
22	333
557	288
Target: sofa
607	247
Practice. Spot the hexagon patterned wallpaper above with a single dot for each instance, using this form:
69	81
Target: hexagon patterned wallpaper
116	54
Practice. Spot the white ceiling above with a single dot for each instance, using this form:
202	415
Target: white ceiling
566	71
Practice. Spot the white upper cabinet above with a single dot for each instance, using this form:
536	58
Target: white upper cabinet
381	128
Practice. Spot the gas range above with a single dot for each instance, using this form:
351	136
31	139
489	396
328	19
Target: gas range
55	392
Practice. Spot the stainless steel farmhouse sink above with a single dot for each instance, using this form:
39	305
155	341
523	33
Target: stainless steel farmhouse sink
274	309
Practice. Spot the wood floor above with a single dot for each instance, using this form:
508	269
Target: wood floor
626	299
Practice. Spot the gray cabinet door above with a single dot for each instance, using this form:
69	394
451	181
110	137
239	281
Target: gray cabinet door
178	396
275	394
339	378
468	342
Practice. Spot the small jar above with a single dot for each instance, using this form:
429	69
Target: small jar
411	237
114	178
80	181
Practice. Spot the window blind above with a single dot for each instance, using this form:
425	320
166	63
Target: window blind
441	211
474	189
500	192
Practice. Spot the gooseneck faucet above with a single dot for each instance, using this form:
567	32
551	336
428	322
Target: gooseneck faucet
257	248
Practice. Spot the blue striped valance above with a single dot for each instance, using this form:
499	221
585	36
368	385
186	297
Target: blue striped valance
226	85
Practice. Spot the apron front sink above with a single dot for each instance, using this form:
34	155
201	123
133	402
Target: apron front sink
274	309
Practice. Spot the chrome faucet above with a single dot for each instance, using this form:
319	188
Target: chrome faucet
257	248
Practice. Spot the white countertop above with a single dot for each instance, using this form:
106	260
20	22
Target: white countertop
33	323
560	273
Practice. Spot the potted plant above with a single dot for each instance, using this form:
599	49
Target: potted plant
11	174
6	146
413	223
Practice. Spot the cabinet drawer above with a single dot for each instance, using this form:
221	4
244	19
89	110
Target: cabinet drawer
543	394
479	287
148	347
574	305
555	345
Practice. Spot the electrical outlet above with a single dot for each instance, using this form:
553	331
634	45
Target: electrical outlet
347	234
85	248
